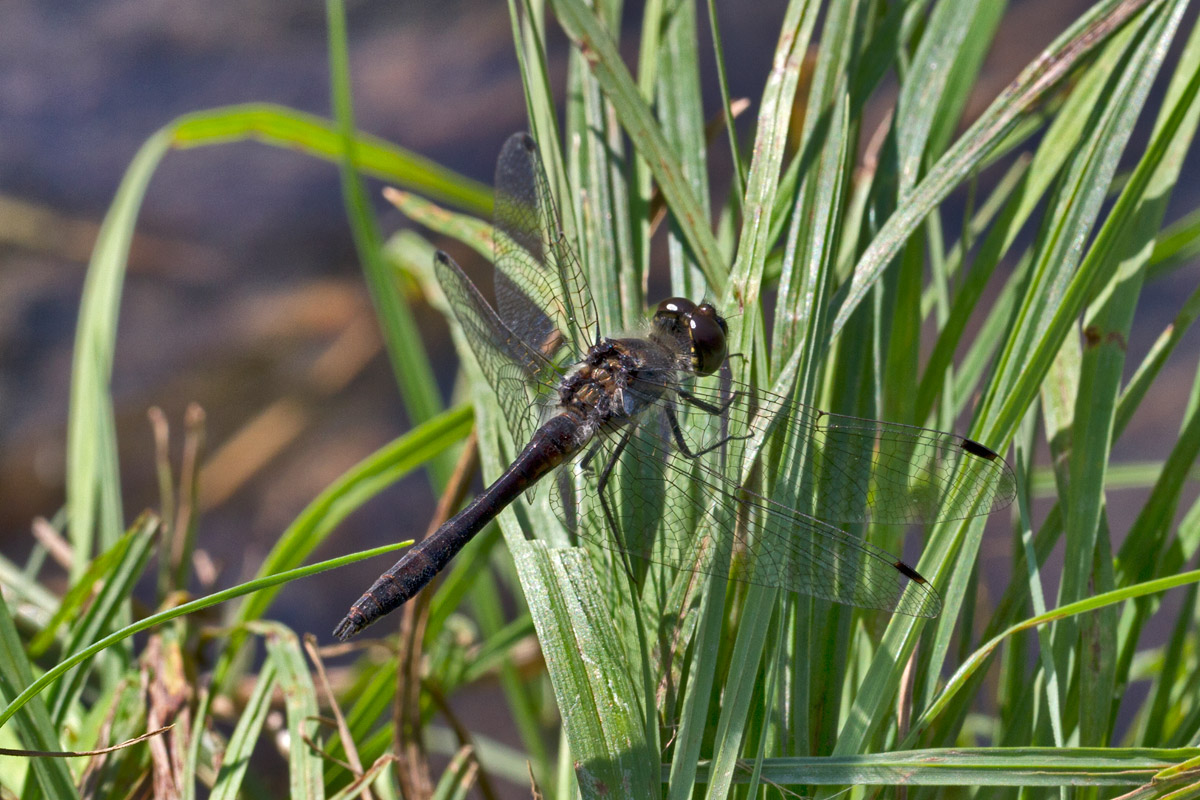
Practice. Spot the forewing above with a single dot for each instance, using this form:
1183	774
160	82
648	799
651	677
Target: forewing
541	294
518	373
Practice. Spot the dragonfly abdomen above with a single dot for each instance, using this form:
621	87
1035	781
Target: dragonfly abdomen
555	441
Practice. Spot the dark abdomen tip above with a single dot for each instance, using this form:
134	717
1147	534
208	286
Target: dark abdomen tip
351	624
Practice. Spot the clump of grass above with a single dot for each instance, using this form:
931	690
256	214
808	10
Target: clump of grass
879	310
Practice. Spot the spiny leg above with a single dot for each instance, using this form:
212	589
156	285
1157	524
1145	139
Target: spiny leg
601	487
677	434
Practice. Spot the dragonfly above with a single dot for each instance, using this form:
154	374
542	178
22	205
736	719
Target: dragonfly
658	451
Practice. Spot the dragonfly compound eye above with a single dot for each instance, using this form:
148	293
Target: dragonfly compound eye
707	330
671	314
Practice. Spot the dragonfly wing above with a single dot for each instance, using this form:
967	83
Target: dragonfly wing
910	474
850	469
652	500
541	294
513	368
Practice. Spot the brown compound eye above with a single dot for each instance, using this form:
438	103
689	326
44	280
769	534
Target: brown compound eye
708	331
673	312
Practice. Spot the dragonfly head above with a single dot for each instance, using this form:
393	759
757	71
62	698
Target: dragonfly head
697	329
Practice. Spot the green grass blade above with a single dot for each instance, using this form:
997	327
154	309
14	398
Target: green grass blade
280	126
677	92
410	363
1178	245
599	701
93	478
471	231
735	710
992	126
631	108
1018	389
73	660
978	766
80	593
300	705
980	656
103	612
33	727
925	80
236	759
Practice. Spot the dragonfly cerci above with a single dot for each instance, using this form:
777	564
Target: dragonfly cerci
658	451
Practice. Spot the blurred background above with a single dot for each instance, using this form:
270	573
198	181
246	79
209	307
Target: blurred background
244	294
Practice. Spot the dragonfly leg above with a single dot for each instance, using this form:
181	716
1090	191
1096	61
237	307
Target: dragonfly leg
677	433
704	405
606	473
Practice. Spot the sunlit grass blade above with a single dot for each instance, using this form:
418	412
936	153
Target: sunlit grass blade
80	593
675	84
977	767
35	687
33	727
410	362
981	655
458	778
601	706
1018	390
1030	86
636	117
103	613
471	231
236	759
762	185
300	705
289	128
93	479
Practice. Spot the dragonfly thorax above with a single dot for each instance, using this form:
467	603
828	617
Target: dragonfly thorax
599	388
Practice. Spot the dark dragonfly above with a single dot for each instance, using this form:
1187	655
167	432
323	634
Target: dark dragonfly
650	429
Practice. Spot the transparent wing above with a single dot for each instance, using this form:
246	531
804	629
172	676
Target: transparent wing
541	294
660	492
864	470
693	519
516	371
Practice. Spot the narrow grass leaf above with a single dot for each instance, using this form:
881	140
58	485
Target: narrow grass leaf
103	614
80	592
284	127
925	80
980	656
1133	84
458	778
635	116
677	92
980	766
735	710
993	125
300	705
236	759
471	231
34	729
406	350
1176	246
93	478
52	675
587	666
